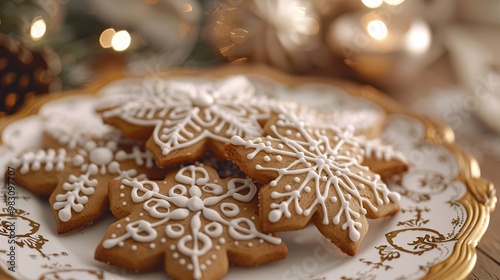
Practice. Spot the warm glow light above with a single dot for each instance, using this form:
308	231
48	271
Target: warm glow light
38	28
106	38
372	3
188	8
418	38
394	2
121	41
377	29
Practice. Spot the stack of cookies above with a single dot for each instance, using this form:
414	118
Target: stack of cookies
201	175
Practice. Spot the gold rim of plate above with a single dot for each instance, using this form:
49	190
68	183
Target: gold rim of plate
479	201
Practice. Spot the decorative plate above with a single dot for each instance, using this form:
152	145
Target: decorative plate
445	204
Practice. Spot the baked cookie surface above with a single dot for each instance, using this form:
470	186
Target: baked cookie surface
193	222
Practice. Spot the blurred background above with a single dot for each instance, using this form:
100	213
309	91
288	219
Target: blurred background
437	57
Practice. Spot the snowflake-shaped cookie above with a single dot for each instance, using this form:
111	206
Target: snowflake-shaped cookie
180	120
313	173
193	221
77	178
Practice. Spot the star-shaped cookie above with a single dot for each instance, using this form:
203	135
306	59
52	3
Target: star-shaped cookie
192	221
76	176
312	173
180	120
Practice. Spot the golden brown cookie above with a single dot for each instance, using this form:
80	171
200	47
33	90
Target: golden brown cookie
193	222
312	173
77	177
181	120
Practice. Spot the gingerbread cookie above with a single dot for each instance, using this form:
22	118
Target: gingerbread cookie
77	177
181	120
192	221
312	173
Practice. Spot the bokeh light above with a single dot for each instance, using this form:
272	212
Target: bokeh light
418	39
106	38
121	41
38	28
393	2
372	3
377	29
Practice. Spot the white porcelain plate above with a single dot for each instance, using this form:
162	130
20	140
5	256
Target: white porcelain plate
434	234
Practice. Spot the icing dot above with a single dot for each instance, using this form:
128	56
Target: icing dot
133	247
217	247
361	186
297	135
182	261
152	245
273	183
213	256
190	267
267	159
333	199
324	178
338	173
216	181
113	235
163	240
118	226
296	179
208	262
141	214
307	189
308	164
222	240
280	146
172	247
368	177
288	187
236	243
252	218
195	204
348	196
122	195
122	187
127	219
203	267
261	240
250	244
347	153
175	255
124	203
121	244
279	158
288	132
101	156
336	138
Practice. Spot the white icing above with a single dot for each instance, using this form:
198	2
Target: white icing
93	160
374	148
32	161
192	201
183	113
329	172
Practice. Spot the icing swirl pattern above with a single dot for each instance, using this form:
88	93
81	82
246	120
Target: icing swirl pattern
184	114
193	213
79	174
314	172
